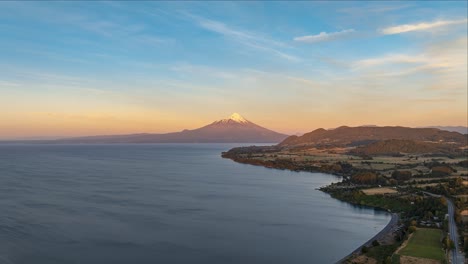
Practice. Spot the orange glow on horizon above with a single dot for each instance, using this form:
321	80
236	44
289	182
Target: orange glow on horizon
44	124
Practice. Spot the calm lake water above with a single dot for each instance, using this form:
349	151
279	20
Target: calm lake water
167	203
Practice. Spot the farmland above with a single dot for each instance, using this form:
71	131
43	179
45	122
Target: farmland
425	243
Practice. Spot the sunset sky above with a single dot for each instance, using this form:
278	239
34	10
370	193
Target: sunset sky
87	68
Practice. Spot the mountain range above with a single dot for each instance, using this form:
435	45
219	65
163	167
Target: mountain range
354	136
234	129
396	146
459	129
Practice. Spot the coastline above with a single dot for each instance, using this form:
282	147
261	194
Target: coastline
391	225
284	165
388	228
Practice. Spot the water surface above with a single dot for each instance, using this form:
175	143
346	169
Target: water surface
167	203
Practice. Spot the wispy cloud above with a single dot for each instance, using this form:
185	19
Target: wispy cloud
438	67
372	9
392	58
324	36
117	27
245	38
425	26
444	56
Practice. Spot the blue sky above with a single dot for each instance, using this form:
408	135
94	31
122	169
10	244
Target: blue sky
75	68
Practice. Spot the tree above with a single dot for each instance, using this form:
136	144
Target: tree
441	170
364	249
388	260
448	243
429	214
401	176
465	245
443	201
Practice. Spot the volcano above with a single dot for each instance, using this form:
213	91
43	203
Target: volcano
234	129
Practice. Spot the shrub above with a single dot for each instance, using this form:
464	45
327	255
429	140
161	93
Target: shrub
401	176
364	249
441	170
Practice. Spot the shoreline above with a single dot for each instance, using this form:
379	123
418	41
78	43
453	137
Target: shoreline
284	166
385	230
389	227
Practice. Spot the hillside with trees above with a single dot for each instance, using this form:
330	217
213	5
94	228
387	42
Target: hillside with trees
355	136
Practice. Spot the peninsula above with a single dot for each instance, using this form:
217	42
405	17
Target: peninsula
415	173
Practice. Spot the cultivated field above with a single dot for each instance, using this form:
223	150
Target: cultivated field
413	260
425	243
383	190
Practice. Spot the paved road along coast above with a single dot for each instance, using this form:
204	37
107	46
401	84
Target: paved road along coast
456	257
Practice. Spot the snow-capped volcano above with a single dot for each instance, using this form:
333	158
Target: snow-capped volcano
238	118
235	117
235	129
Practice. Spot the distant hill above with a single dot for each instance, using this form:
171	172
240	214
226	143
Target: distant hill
234	129
459	129
397	146
355	136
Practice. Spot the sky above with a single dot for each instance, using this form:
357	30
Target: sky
87	68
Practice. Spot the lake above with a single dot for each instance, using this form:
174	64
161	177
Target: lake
168	203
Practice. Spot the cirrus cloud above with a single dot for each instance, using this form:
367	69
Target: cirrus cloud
324	36
425	26
246	38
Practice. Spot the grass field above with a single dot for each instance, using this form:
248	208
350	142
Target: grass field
425	243
383	190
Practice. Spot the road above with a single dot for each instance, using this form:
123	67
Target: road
456	256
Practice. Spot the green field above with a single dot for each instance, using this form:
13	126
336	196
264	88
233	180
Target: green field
425	243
